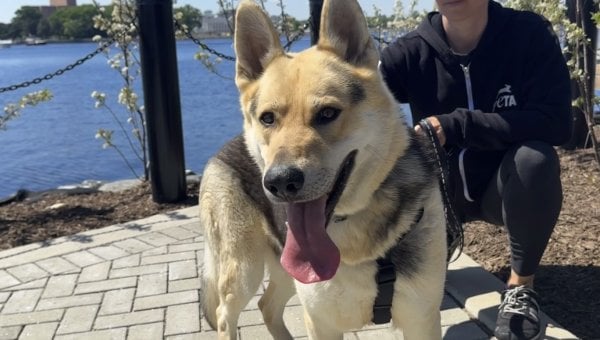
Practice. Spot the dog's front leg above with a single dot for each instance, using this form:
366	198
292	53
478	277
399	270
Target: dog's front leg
272	303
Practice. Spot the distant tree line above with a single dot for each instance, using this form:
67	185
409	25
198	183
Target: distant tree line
72	23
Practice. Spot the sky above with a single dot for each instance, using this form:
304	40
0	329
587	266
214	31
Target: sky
296	8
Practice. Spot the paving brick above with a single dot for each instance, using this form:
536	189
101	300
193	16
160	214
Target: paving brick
70	301
10	333
40	283
183	319
40	331
254	332
95	272
40	254
155	251
60	285
78	319
168	258
179	233
448	302
156	239
176	248
7	280
163	300
30	318
104	285
22	301
133	246
195	336
152	284
183	270
186	284
140	270
83	258
378	334
153	331
129	319
249	318
108	252
462	331
107	334
294	319
57	265
128	261
117	301
454	316
27	272
4	296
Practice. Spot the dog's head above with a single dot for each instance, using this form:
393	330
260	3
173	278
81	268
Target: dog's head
320	124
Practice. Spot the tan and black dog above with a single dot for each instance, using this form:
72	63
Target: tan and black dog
325	180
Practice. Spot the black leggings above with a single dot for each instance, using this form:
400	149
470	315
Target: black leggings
525	195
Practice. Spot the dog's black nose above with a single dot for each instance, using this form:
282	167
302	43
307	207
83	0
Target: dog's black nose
284	182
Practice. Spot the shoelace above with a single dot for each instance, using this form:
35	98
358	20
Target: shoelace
519	301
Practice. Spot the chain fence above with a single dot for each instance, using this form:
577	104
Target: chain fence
61	71
104	45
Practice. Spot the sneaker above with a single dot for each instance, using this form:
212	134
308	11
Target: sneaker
518	317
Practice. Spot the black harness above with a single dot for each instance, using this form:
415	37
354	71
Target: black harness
386	273
385	278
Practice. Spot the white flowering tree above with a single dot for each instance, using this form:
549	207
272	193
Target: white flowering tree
14	110
121	26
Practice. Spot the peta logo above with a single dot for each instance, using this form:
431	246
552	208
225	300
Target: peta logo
504	99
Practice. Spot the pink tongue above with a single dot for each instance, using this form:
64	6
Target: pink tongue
309	255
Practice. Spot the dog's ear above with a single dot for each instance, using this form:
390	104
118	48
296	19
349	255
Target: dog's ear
256	42
344	31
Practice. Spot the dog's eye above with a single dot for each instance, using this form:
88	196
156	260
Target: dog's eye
327	115
267	118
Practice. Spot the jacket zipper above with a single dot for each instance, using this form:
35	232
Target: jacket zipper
461	155
467	73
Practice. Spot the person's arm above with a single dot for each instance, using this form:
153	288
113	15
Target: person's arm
545	114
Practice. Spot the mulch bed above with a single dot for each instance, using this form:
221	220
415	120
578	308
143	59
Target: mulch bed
568	280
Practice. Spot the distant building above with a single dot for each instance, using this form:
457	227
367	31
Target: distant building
60	3
54	5
214	26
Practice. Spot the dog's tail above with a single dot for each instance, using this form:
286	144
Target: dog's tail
209	294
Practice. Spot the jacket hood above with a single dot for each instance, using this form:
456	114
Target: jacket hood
432	31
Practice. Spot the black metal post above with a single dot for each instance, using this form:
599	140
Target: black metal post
161	99
315	19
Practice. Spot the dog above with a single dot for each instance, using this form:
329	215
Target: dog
324	182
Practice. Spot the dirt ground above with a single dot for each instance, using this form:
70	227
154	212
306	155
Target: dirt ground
568	280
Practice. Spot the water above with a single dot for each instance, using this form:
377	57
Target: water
53	144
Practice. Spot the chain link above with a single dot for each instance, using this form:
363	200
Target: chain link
61	71
297	36
201	44
109	42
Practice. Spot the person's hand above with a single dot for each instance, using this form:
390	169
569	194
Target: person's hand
437	127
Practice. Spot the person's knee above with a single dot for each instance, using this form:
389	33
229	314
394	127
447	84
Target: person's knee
538	158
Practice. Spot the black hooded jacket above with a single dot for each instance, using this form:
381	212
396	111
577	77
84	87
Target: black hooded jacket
513	87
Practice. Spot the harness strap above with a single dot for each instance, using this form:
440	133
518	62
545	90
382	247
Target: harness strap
386	278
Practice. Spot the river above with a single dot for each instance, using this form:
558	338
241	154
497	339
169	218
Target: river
54	143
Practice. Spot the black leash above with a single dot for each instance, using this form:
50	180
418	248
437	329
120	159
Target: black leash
386	271
454	228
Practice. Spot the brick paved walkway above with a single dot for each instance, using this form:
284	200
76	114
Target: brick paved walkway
140	281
